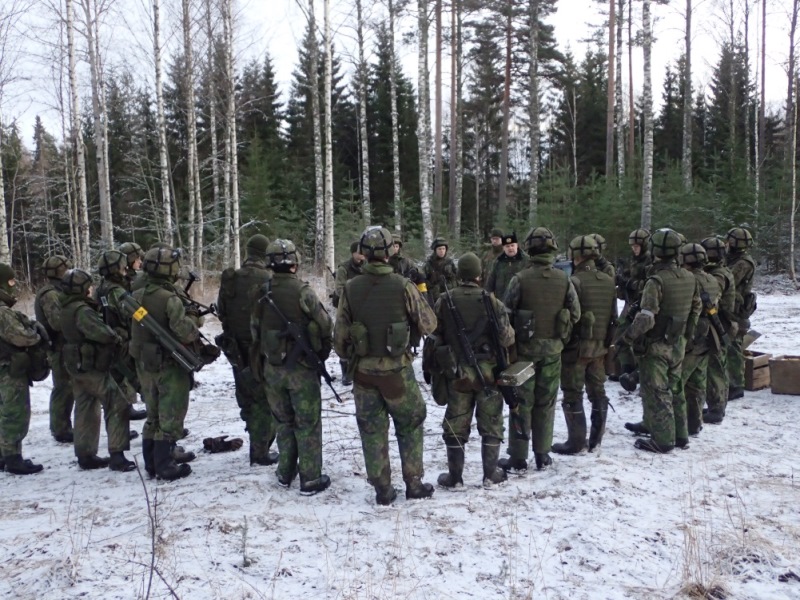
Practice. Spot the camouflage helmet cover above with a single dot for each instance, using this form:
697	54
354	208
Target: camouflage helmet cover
132	251
376	243
715	248
76	282
739	238
539	240
601	242
693	254
665	243
55	266
163	262
282	252
112	262
638	237
439	241
584	246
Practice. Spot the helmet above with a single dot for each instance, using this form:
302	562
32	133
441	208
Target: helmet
439	241
540	240
715	248
601	242
132	251
469	267
496	232
693	254
163	262
76	282
112	262
257	246
739	238
665	243
584	246
638	237
8	294
55	266
376	243
282	252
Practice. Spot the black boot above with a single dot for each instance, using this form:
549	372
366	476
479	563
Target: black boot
542	461
17	465
180	455
653	446
166	467
492	474
88	463
416	490
735	393
347	381
515	465
637	428
148	445
599	415
713	417
119	462
133	434
682	443
136	415
629	381
455	468
64	438
385	495
263	458
285	480
576	430
315	486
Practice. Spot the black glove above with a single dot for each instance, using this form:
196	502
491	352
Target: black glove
209	353
222	444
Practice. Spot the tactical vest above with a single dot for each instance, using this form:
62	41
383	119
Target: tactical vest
81	353
677	288
154	299
747	283
604	266
727	286
377	301
8	350
436	268
238	287
597	296
110	314
543	290
351	269
469	303
55	336
286	296
504	269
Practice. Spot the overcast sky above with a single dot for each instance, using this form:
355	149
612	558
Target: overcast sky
277	26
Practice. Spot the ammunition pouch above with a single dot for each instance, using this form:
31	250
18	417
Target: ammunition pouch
398	336
563	324
315	337
39	368
359	337
275	347
523	326
586	326
446	361
152	357
439	389
702	330
749	304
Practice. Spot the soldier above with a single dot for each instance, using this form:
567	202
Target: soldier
134	256
505	266
694	370
291	380
165	384
545	307
495	250
630	283
401	264
717	389
90	348
670	307
438	269
378	316
601	262
237	296
47	307
20	340
465	393
583	360
743	267
346	271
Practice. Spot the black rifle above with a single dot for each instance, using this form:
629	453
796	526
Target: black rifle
302	348
190	361
710	311
120	365
509	392
201	309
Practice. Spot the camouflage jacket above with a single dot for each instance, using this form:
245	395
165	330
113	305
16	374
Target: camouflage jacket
439	271
16	329
344	273
487	260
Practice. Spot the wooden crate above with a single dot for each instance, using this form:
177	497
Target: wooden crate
785	374
756	370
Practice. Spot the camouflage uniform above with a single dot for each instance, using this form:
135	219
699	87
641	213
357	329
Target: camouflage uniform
743	268
372	329
346	271
503	269
90	348
545	307
400	264
670	308
47	307
438	272
630	284
237	296
491	254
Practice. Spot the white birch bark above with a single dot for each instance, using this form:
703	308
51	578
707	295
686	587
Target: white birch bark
437	116
82	258
319	241
423	123
192	162
619	107
456	130
647	108
611	88
533	111
166	203
5	251
396	199
366	206
212	112
686	156
330	259
502	201
230	122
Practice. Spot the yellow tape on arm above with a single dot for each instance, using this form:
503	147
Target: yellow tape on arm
140	313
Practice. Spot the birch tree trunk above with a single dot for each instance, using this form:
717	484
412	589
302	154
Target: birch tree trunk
502	200
230	121
611	88
456	156
330	259
437	129
366	207
760	145
162	126
793	156
82	258
791	135
647	107
397	200
746	100
5	251
533	110
423	123
619	107
631	104
319	204
212	112
686	155
192	184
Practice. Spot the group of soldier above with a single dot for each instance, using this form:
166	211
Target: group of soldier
513	307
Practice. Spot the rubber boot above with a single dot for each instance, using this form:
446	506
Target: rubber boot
598	429
14	463
347	381
492	474
455	466
88	463
713	417
629	381
64	438
119	462
515	465
543	460
735	393
148	445
285	480
166	467
315	486
132	434
385	495
653	446
2	463
637	428
180	455
576	430
136	415
416	490
261	456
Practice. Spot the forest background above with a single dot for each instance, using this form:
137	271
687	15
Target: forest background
163	126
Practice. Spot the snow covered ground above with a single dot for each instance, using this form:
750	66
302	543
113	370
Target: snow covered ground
721	516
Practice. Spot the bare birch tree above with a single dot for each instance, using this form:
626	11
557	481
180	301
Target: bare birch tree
363	134
502	200
192	162
611	88
456	132
423	123
647	108
330	259
212	101
437	119
631	104
686	151
397	201
166	202
619	106
533	109
791	132
231	145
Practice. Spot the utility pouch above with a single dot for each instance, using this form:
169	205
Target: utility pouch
587	325
439	390
563	324
674	330
152	357
523	326
274	345
19	364
702	330
359	336
39	368
397	337
446	361
103	360
87	360
315	337
749	304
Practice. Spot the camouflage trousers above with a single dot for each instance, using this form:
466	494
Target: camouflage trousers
377	397
15	412
296	402
536	411
95	391
255	412
694	381
625	356
62	400
664	405
589	373
166	395
735	364
464	400
717	389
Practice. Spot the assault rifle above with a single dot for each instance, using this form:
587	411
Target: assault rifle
711	311
509	392
190	361
302	347
201	309
120	365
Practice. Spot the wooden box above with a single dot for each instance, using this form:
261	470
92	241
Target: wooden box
785	374
756	370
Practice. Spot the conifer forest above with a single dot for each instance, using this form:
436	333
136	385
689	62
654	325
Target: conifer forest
432	117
